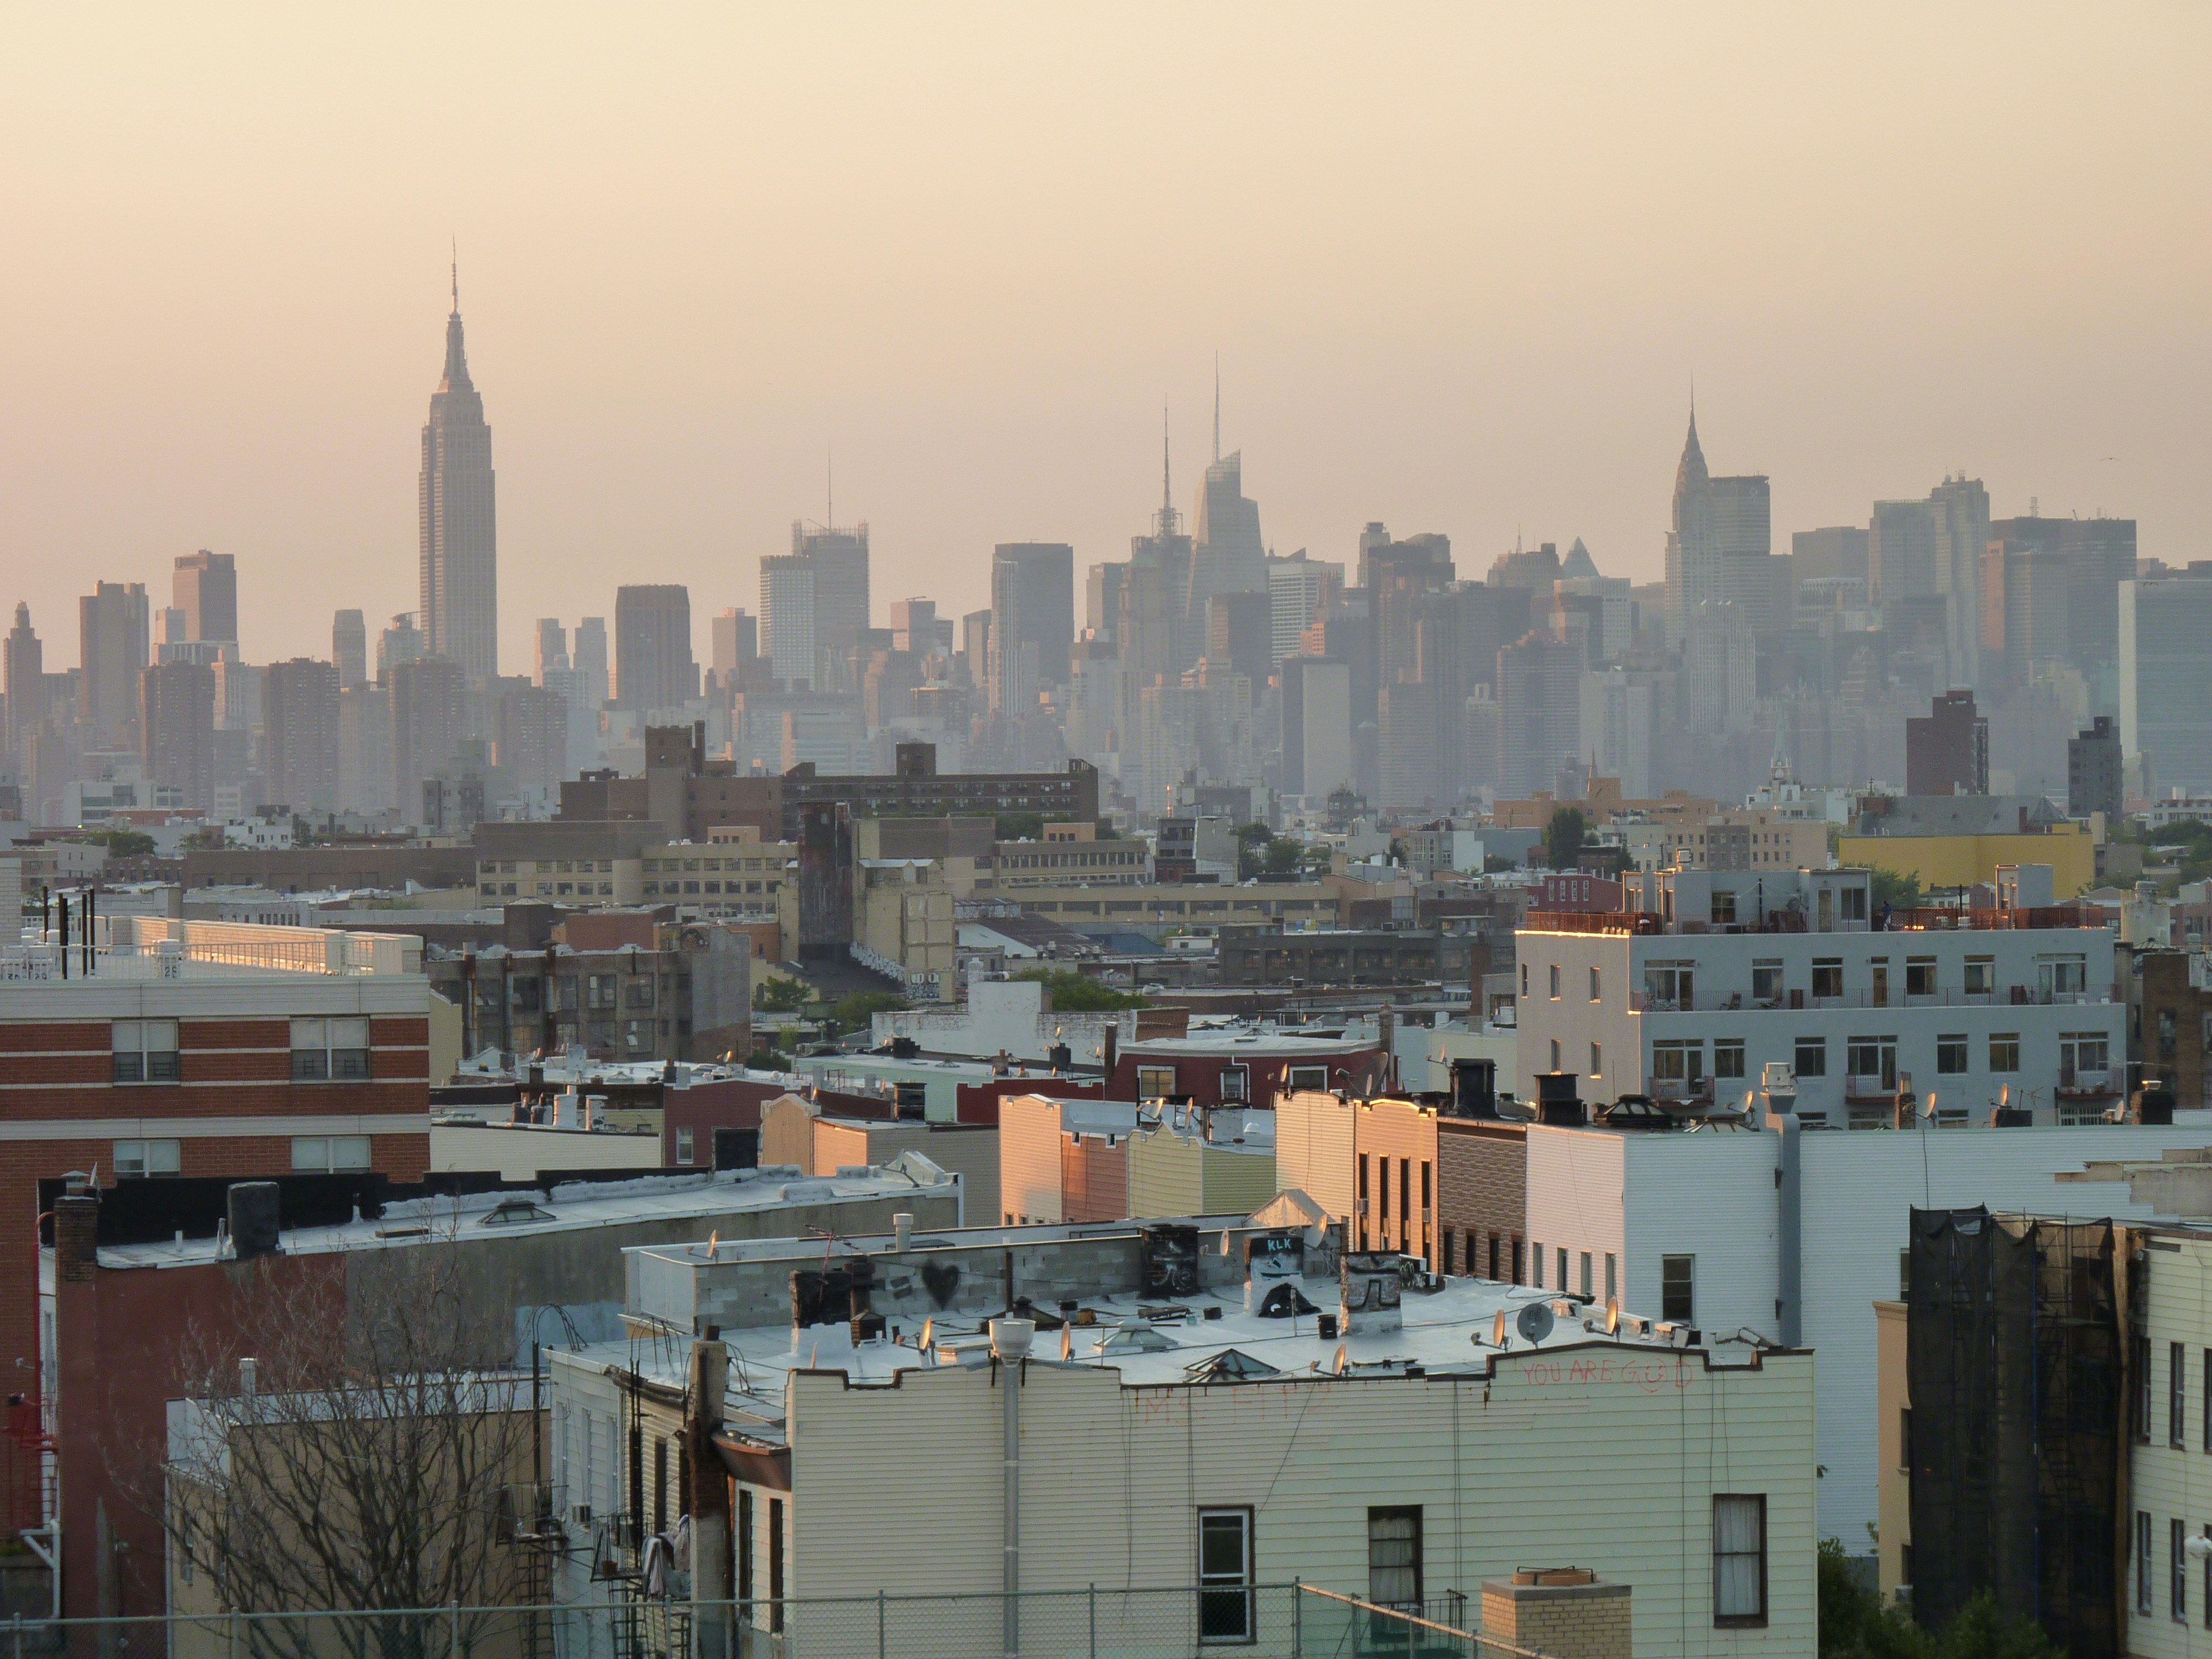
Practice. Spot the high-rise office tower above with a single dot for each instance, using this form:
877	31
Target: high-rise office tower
114	625
1839	550
975	653
350	649
1156	638
551	643
1239	635
531	733
1401	578
787	616
654	666
26	680
429	718
1227	555
365	770
588	655
1960	509
459	526
1032	622
1101	598
914	626
2100	554
177	722
832	602
206	591
401	642
300	734
1540	713
2024	611
2165	680
1298	589
737	639
1719	543
2094	771
1947	751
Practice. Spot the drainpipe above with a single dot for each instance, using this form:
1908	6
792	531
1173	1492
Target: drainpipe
1788	1196
1010	1340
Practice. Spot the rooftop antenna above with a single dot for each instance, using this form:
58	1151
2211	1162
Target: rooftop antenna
1167	483
830	484
1217	405
457	276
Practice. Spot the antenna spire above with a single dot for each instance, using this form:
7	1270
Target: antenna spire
1217	405
1167	486
829	483
457	276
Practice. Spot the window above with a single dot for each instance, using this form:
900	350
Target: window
1827	976
2142	1424
1555	981
1587	1297
1536	1265
1394	1558
1739	1559
1559	1261
2061	977
745	1546
1678	1288
334	1050
2143	1579
1224	1575
145	1050
1597	1060
1677	1062
775	1565
683	1144
1872	1059
1727	1057
2004	1051
1555	1054
600	989
1951	1054
1981	975
2176	1572
1155	1082
1812	1056
1920	977
1612	1277
1669	984
1593	985
660	1486
1309	1077
2177	1396
329	1154
1723	908
2079	1052
1767	981
1235	1084
145	1158
1524	979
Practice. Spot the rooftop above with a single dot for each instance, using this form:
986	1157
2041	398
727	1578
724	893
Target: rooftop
140	948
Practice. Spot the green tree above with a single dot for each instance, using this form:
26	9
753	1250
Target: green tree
1563	836
854	1013
1282	858
1074	993
1020	826
124	843
782	996
1856	1623
1899	891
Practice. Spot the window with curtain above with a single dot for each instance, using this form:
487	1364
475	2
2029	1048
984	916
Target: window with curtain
1739	1558
1394	1557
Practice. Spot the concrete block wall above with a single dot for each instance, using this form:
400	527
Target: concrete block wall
1566	1621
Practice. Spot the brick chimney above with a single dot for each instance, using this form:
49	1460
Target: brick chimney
77	1232
1567	1612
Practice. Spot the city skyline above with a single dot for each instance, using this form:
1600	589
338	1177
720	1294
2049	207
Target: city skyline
645	436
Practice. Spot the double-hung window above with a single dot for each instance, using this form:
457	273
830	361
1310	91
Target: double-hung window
1739	1558
146	1158
145	1051
333	1050
1225	1576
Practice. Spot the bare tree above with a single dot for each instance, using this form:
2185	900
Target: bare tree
363	1458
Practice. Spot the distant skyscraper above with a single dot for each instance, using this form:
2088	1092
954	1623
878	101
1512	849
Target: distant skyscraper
26	680
2100	554
114	634
429	712
1156	636
2094	771
1032	622
588	655
1227	555
206	591
177	721
1298	589
914	625
1102	594
459	528
654	666
2165	680
787	615
350	649
832	602
1540	713
1719	543
551	643
1960	508
300	734
401	642
737	640
1947	751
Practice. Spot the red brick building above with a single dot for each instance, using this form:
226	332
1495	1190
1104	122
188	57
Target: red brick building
197	1048
1243	1068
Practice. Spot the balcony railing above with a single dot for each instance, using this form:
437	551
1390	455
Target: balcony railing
1798	1000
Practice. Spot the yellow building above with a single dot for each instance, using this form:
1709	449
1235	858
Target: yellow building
1179	1169
2069	849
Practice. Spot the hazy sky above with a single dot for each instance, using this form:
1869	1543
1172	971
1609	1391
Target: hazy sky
1460	264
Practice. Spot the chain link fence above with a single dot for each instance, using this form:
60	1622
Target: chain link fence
1260	1621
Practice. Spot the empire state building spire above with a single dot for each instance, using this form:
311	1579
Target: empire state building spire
459	521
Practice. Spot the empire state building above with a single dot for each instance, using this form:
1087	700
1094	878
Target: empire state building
459	526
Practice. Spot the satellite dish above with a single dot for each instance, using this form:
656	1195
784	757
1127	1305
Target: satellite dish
1066	1342
928	1335
1498	1330
2004	1094
1342	1363
1535	1322
1927	1107
1612	1316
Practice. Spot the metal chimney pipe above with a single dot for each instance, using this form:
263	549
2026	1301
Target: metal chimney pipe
1010	1340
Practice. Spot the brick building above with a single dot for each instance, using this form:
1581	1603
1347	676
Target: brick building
1344	956
1482	1196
